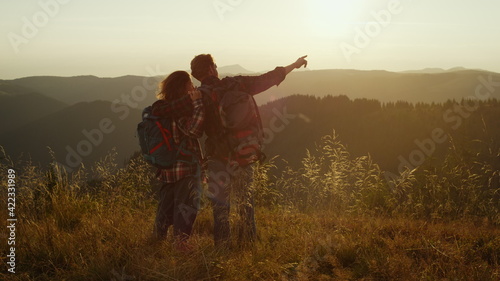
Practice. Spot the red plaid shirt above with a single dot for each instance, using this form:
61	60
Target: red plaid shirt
188	128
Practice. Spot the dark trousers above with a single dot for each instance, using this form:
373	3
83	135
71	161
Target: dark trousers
178	206
223	179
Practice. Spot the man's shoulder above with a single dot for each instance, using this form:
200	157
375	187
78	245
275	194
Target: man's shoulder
232	82
232	79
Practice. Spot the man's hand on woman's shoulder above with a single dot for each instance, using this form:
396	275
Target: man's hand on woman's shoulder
195	94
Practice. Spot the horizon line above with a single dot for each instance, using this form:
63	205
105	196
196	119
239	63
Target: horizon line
251	72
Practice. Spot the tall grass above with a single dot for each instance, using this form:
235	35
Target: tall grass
462	186
337	217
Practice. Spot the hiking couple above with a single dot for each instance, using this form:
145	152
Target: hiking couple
230	152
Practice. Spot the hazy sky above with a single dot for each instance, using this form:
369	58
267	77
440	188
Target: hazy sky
115	38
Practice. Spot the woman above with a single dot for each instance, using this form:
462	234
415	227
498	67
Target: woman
180	190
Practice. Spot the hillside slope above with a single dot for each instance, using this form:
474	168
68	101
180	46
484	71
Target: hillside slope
21	105
81	133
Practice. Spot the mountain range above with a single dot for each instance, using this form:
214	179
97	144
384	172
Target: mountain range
382	85
428	85
70	114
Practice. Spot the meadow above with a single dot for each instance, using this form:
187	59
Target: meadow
337	217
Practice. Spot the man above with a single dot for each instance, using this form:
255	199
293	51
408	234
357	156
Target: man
224	173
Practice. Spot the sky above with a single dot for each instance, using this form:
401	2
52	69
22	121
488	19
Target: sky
155	37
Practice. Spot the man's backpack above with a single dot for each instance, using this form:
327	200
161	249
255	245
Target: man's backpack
235	128
157	142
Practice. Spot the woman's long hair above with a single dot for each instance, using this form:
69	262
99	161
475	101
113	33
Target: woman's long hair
174	86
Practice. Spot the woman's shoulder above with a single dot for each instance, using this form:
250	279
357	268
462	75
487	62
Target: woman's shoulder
161	107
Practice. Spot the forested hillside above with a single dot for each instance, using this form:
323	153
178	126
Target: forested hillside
391	133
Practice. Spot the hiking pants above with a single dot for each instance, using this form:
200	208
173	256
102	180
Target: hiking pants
178	206
222	180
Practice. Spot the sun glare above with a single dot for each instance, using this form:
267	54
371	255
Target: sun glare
331	17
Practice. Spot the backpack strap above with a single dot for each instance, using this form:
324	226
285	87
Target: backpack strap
262	156
182	152
166	136
216	141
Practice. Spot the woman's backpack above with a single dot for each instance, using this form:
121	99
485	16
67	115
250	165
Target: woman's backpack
157	142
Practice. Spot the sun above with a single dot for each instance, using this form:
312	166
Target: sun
331	17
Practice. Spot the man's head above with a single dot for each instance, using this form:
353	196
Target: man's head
203	66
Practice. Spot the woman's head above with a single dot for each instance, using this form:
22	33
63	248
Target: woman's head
178	83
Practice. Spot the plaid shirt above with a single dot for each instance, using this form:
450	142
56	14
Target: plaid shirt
188	128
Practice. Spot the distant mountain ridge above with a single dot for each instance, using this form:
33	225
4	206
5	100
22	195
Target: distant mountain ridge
440	70
382	85
234	69
377	84
76	89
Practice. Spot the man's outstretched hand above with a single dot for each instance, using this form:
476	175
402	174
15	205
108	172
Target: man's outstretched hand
301	62
298	64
